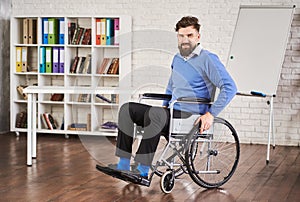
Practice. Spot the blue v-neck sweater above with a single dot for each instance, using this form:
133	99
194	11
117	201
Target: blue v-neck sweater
197	77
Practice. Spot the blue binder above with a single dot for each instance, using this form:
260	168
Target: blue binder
109	31
61	31
45	30
42	60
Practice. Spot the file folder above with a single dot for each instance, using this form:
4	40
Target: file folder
32	31
45	30
18	59
53	31
24	59
42	60
103	31
116	30
61	30
25	31
109	31
61	60
98	31
55	59
48	60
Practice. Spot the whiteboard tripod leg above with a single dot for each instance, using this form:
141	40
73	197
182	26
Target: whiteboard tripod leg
271	130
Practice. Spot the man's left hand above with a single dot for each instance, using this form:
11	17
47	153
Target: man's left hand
206	121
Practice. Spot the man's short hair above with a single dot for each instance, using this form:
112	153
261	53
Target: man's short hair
186	22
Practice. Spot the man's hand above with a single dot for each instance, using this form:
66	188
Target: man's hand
206	121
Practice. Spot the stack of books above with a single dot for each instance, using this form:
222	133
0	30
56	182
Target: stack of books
109	125
79	35
81	65
78	126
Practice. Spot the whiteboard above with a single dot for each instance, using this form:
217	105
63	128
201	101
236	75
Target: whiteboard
258	48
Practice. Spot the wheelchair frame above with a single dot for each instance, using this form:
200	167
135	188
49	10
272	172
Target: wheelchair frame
210	158
188	143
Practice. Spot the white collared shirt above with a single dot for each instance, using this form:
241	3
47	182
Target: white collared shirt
196	51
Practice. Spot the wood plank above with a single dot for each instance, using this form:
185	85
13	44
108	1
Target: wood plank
65	171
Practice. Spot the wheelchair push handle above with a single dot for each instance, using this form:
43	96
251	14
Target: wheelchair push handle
156	96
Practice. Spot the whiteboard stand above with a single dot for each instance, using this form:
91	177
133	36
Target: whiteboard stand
271	121
257	52
271	129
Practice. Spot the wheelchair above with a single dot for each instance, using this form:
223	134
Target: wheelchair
210	158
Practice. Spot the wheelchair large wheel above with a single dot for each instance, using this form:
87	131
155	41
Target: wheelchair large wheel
212	157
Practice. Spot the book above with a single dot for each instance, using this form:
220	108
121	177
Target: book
104	65
77	129
109	125
78	126
114	98
114	66
78	36
75	36
20	89
74	65
49	120
87	65
103	98
21	120
71	29
87	37
89	122
80	65
109	66
57	97
84	98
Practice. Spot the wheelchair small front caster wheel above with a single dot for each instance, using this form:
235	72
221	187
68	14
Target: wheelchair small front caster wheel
167	182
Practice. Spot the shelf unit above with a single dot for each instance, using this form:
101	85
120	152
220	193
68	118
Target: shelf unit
73	108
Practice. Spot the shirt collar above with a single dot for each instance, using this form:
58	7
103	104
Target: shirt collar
196	51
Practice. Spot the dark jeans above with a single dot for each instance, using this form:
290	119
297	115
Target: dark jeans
155	122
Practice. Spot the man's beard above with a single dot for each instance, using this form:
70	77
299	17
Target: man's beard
186	51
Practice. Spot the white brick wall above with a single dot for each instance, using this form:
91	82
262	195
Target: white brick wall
218	17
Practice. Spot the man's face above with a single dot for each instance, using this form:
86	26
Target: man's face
188	38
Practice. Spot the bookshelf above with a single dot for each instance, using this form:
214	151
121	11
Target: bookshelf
44	50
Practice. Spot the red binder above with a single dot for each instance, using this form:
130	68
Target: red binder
98	31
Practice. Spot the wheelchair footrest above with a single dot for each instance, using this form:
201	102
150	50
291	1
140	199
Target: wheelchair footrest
124	175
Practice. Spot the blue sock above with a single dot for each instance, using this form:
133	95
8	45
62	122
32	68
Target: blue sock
124	164
143	169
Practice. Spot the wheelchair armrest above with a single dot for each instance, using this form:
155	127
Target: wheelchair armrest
194	100
156	96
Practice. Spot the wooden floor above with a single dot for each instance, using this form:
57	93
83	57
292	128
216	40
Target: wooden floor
65	171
